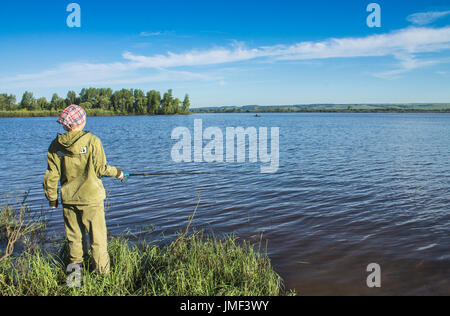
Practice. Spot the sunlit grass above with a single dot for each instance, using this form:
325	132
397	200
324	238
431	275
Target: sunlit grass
194	266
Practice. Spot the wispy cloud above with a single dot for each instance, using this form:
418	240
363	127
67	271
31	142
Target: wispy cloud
156	33
406	63
84	74
411	40
406	46
425	18
148	34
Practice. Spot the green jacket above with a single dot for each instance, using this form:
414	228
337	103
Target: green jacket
77	159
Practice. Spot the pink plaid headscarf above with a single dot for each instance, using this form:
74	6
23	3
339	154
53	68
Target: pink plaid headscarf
73	115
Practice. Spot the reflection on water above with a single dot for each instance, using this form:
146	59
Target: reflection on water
352	189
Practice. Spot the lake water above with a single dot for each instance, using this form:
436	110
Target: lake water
351	189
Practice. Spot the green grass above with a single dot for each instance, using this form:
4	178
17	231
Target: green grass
193	266
52	113
57	113
19	223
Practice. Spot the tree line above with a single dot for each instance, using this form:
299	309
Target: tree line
125	101
426	108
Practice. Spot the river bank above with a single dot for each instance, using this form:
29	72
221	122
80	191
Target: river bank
194	265
105	113
54	113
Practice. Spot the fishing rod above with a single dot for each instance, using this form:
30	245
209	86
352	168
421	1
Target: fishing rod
127	175
190	173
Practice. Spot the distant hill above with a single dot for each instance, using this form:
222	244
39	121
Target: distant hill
415	107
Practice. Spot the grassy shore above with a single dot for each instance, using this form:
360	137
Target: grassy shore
194	265
100	112
53	113
89	112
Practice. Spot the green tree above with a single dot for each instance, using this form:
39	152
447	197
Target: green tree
166	103
86	105
103	102
103	98
153	102
89	95
57	103
186	104
7	102
10	101
28	101
43	104
175	106
3	97
71	98
105	92
2	102
140	102
123	101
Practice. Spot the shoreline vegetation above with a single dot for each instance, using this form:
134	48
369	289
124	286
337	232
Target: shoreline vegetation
132	102
100	112
331	108
193	265
104	113
96	102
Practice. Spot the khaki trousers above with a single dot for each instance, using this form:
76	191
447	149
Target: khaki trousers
78	221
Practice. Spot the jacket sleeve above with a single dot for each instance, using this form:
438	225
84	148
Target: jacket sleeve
52	176
101	167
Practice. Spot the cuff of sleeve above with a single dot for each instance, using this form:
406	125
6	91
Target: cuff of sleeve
54	203
119	172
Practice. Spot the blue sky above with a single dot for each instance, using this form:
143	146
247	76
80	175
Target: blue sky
231	52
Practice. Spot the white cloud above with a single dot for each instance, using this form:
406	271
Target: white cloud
73	75
406	63
195	57
404	45
156	33
424	18
149	34
411	40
